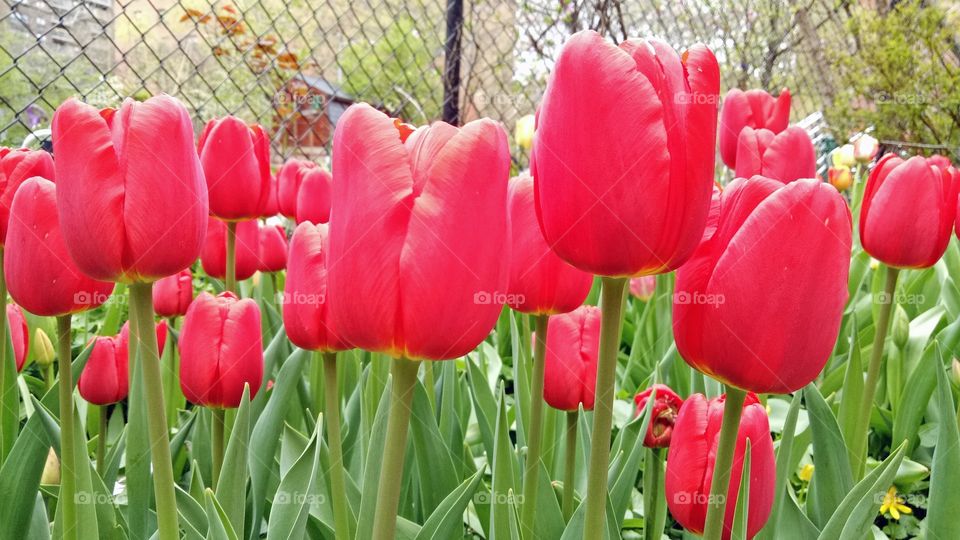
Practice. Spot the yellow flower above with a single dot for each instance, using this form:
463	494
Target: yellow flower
843	156
42	348
894	504
806	473
523	131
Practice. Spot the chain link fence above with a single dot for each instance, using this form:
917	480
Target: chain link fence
295	66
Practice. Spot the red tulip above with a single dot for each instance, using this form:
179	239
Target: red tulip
306	313
691	462
236	164
624	152
41	276
272	249
416	247
220	350
213	258
288	184
19	334
124	337
754	109
15	167
272	205
666	405
313	198
775	245
172	295
570	366
940	161
131	192
908	211
785	156
104	379
643	287
865	148
540	282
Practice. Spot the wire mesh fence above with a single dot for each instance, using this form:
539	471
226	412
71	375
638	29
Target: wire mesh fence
295	66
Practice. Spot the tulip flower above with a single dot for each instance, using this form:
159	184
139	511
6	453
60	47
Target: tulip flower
172	295
288	184
785	156
666	405
523	131
272	206
940	161
643	287
691	464
236	164
571	362
272	248
865	148
16	166
104	378
213	258
313	198
908	211
19	334
131	191
623	176
840	178
754	109
417	247
843	156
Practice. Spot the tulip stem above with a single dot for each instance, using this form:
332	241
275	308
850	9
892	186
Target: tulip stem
531	475
141	303
404	374
611	303
4	444
335	445
570	463
68	462
102	440
231	270
858	448
653	512
723	464
216	447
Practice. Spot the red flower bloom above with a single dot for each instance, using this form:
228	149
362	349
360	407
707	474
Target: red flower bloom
666	405
785	156
19	334
754	109
236	164
104	379
313	197
172	295
17	165
570	366
288	184
273	248
306	310
213	258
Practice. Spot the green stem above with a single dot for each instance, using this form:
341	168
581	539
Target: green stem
102	441
68	461
231	277
219	423
404	374
316	388
653	495
720	483
531	475
611	301
858	448
338	484
144	333
48	375
570	464
430	385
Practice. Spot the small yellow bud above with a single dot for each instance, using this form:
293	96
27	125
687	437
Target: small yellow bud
523	131
42	348
806	472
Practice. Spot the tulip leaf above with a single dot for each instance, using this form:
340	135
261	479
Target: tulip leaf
266	433
447	520
296	493
848	415
784	468
438	478
548	517
505	483
485	405
21	475
39	528
371	472
193	517
219	527
941	522
137	460
232	485
9	400
574	529
857	510
739	529
833	478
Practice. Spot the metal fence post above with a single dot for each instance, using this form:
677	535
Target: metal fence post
451	63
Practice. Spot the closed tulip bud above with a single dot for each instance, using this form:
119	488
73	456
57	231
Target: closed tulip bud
288	184
51	469
42	348
523	131
901	327
940	161
843	156
313	197
643	287
124	337
220	350
785	156
306	307
272	206
624	171
104	379
570	365
40	275
130	189
272	249
19	334
213	258
728	315
865	148
540	282
955	372
691	461
16	166
417	242
666	405
172	295
236	164
908	211
754	109
840	178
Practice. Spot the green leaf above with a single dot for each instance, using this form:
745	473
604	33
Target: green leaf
193	517
297	491
438	477
784	470
833	478
739	530
944	500
447	520
371	472
232	484
20	475
548	519
219	527
504	476
848	415
137	463
9	400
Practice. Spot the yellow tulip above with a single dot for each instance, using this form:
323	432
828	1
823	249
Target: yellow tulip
523	131
843	156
